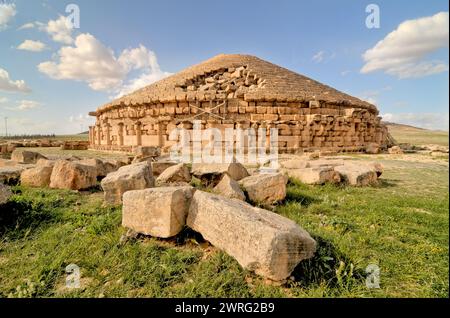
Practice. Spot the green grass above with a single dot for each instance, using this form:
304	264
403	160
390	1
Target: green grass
401	225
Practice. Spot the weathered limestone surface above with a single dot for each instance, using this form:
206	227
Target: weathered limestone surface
72	175
395	150
25	156
136	176
212	172
178	174
159	212
261	241
36	177
316	175
5	193
229	188
265	188
45	162
10	175
159	166
7	163
357	174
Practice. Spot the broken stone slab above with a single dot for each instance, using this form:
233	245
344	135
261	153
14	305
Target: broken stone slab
136	176
25	156
72	175
357	174
111	165
301	163
315	175
147	151
325	163
265	188
96	163
45	162
103	166
159	212
10	175
5	193
36	177
261	241
211	173
159	166
178	174
229	188
294	164
377	167
395	150
7	163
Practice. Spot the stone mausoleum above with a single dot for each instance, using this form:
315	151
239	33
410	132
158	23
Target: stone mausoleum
239	91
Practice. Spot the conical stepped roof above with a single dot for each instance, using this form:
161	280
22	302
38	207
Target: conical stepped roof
274	83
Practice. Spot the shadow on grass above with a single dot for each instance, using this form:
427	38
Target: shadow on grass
328	265
297	196
20	216
387	183
188	235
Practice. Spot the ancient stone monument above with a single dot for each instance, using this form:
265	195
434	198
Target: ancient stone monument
239	91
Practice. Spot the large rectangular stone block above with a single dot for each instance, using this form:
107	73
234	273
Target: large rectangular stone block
261	241
159	212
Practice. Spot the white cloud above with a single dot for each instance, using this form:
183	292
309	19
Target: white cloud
345	73
33	46
3	100
323	57
25	26
423	120
60	30
402	51
92	62
7	12
28	104
318	57
9	85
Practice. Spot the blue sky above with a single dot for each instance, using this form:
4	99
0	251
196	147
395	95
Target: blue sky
51	76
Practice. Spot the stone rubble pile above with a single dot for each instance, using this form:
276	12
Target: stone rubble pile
222	210
229	82
224	219
35	170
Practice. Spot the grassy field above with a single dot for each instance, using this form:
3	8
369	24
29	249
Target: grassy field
417	136
401	226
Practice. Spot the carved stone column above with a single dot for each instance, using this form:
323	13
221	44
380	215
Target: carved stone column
108	134
138	130
120	134
99	135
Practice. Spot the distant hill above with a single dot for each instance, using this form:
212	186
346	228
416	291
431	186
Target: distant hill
417	136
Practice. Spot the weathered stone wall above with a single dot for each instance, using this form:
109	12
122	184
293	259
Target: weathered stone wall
301	126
